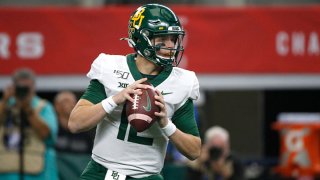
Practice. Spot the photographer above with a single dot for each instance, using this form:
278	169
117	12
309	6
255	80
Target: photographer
216	161
222	162
28	128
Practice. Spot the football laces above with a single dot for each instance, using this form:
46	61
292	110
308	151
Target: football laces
135	104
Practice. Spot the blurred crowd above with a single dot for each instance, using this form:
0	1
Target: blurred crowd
35	142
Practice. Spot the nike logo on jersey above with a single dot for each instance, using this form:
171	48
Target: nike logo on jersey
148	108
165	93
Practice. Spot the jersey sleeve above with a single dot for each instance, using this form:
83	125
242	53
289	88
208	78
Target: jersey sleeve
184	119
194	93
96	68
95	92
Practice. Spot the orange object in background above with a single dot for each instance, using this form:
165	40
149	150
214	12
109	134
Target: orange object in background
300	144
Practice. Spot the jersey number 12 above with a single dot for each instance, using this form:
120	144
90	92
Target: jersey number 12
133	135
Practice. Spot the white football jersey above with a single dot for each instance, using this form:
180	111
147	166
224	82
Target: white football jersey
117	146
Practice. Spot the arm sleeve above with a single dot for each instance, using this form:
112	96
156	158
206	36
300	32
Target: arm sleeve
95	92
184	119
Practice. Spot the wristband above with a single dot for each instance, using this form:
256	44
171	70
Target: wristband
169	129
108	104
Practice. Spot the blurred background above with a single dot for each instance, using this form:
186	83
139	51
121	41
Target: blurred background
254	59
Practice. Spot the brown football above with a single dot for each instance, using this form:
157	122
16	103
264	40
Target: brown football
140	113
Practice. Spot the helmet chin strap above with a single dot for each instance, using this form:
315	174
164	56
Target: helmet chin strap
130	42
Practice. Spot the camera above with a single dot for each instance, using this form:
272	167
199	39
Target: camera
215	153
22	91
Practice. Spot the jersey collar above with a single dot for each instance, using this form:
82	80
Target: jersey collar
137	75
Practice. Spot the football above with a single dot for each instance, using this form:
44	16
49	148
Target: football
140	113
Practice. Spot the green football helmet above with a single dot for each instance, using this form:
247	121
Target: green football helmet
155	20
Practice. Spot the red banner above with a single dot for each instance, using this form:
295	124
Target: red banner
57	41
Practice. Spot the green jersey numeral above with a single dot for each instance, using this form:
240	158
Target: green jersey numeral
133	135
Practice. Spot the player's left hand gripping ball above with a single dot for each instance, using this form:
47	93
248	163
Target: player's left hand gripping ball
140	112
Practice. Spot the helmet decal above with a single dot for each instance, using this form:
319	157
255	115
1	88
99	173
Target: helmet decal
137	18
135	21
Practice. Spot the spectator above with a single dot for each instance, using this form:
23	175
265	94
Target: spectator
28	130
68	142
73	150
216	160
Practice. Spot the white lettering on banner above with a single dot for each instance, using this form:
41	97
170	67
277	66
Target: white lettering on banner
313	47
30	45
302	44
4	46
282	43
297	43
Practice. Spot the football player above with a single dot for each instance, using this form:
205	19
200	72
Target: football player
119	151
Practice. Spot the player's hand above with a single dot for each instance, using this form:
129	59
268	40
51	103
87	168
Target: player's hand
124	95
26	103
223	167
163	118
8	92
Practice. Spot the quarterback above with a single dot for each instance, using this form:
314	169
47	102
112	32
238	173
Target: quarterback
119	151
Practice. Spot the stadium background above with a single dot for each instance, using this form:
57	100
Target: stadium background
254	58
